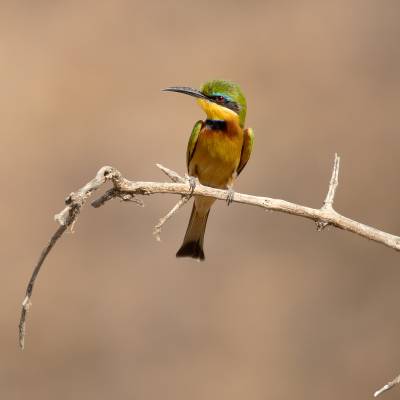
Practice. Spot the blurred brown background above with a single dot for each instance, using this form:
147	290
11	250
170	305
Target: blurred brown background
277	311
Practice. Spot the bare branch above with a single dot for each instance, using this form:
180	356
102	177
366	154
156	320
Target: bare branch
174	178
163	220
27	301
171	174
328	203
333	184
388	386
107	196
126	191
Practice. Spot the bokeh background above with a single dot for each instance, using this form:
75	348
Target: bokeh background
277	310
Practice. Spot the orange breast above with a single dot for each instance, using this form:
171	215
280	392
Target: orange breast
217	155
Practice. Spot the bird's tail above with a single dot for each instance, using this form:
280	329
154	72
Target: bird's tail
192	245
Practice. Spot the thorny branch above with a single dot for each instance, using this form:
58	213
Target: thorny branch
126	190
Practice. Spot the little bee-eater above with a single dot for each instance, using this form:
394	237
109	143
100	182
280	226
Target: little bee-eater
217	152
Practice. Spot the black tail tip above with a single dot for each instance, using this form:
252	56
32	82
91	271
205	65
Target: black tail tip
191	249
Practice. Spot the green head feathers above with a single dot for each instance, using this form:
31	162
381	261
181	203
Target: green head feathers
227	94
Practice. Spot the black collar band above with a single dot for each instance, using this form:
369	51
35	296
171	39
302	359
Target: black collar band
216	124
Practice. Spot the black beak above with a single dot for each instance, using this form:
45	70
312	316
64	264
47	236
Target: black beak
186	90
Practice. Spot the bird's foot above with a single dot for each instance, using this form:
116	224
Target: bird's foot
229	197
192	184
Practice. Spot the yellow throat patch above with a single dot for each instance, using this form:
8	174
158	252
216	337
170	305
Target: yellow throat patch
215	111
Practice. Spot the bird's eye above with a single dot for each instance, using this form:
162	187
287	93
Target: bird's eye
220	99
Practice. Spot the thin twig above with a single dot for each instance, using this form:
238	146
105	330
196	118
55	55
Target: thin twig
388	386
163	220
126	190
171	174
115	193
107	196
333	184
27	301
174	178
330	196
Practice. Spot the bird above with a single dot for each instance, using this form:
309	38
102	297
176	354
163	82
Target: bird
219	148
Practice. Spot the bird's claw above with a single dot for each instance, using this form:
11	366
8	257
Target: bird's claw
229	197
192	184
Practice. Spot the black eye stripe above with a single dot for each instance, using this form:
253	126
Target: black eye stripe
227	103
232	105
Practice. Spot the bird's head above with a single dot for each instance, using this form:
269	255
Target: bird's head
221	100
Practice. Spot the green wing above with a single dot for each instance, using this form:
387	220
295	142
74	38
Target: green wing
248	141
193	141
